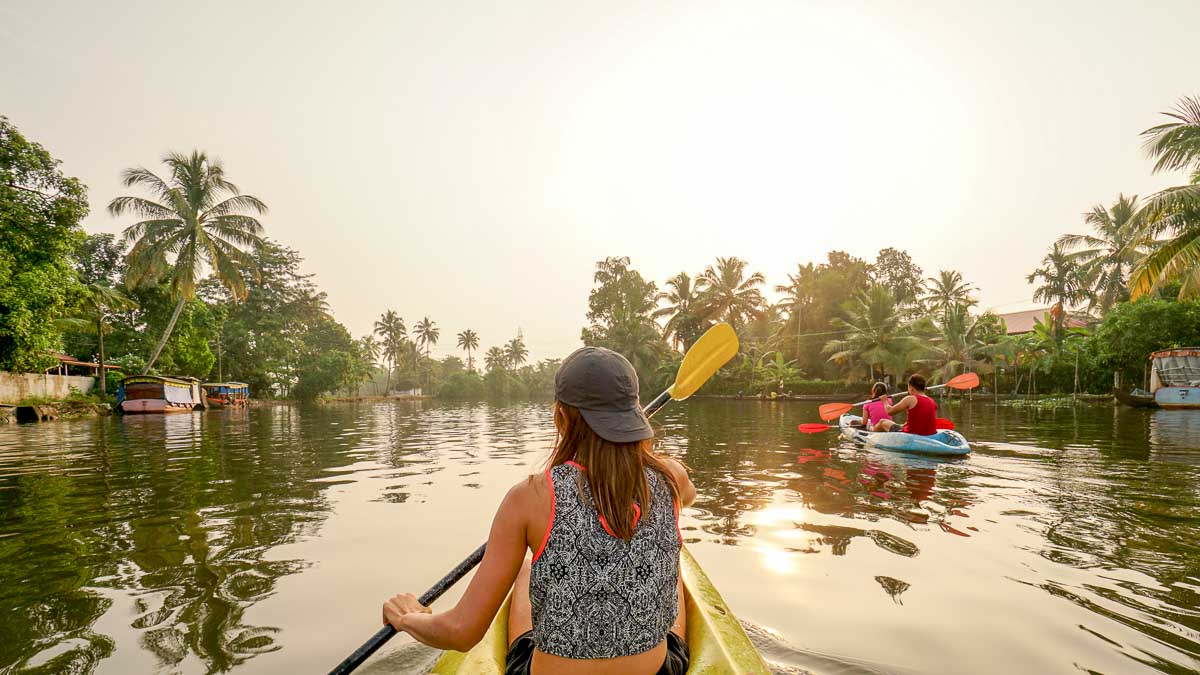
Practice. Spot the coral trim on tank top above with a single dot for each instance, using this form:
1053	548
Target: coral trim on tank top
637	511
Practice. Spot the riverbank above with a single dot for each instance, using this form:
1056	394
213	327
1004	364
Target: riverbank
45	409
369	399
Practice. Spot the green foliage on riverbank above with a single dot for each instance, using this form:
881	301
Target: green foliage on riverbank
40	210
238	308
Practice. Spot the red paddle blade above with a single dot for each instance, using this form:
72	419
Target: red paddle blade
813	428
964	381
943	423
831	411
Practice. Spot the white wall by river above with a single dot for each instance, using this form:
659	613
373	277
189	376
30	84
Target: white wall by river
16	386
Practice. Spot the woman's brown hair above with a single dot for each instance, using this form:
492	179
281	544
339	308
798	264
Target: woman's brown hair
615	472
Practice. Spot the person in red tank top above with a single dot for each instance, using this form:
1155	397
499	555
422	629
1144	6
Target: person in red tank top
922	410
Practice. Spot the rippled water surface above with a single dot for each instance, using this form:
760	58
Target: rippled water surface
265	540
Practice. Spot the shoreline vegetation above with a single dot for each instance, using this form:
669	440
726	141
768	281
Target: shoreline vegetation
194	287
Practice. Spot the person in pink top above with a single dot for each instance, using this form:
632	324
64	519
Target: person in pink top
876	411
922	410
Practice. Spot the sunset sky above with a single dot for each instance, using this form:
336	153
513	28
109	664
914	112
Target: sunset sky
472	161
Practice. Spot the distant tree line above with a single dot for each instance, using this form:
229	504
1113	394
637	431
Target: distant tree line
192	287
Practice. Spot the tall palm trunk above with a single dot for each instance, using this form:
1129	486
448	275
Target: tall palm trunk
162	342
100	334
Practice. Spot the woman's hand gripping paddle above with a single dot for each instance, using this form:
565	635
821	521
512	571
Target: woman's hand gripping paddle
831	411
705	358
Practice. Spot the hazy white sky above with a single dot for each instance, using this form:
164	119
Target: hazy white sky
471	161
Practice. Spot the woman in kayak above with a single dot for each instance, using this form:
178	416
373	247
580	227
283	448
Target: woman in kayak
875	412
922	410
602	593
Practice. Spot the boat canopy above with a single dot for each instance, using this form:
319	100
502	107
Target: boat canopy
1176	368
226	387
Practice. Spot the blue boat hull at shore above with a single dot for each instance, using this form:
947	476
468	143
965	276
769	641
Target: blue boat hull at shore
946	442
1178	397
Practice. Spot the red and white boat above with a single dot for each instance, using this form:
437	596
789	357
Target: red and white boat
153	394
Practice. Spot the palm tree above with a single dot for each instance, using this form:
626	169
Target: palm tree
1107	257
1034	347
799	296
639	341
427	334
1000	349
875	334
683	327
468	341
1062	285
370	349
1173	213
515	352
101	300
495	359
391	329
776	369
961	342
194	222
728	294
948	290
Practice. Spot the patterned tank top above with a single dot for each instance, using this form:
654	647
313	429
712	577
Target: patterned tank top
594	595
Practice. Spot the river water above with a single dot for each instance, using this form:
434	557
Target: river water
265	540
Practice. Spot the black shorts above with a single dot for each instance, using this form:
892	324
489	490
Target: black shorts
520	656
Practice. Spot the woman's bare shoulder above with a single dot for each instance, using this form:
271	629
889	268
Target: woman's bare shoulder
531	490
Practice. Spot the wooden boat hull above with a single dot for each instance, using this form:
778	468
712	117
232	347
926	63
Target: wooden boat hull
1133	401
717	641
152	406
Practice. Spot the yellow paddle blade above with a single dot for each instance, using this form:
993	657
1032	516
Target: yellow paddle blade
829	411
964	381
711	351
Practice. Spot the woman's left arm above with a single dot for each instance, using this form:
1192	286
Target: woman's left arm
687	491
462	626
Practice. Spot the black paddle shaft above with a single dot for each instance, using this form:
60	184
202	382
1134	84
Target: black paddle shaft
384	634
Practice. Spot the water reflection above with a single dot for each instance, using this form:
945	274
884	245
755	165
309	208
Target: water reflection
177	543
179	511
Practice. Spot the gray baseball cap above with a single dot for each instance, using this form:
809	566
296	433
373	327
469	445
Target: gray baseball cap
604	386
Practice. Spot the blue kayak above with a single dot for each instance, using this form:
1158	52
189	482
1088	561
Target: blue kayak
945	442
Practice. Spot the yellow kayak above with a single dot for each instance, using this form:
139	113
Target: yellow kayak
716	639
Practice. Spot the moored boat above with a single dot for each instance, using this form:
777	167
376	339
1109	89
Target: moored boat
717	642
1137	398
944	442
1175	378
226	394
154	394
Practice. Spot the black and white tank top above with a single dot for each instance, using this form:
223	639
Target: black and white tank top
595	595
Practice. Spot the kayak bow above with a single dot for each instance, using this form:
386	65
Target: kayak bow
717	641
